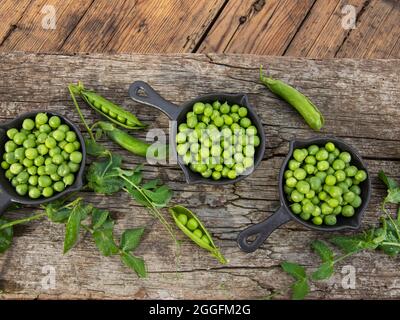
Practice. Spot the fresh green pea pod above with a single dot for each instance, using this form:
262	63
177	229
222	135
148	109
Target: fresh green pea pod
126	141
296	99
107	109
176	211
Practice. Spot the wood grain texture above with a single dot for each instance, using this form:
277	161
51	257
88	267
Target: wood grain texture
264	27
359	100
321	35
30	33
143	26
11	12
376	33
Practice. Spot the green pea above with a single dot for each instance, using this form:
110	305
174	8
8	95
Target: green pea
69	147
356	189
310	160
16	168
303	187
305	216
29	143
216	175
291	182
11	133
32	170
330	146
323	165
9	157
287	174
205	239
300	174
235	117
296	196
242	112
313	149
45	128
300	154
57	159
317	220
10	146
69	179
296	208
351	171
54	122
47	192
331	158
198	108
321	175
317	210
232	174
76	157
345	157
44	181
361	175
338	164
248	162
41	138
22	189
330	180
326	209
41	171
34	193
335	191
8	174
41	118
19	138
59	186
59	135
356	203
64	128
63	170
321	155
198	233
330	220
251	130
5	165
33	180
340	175
192	224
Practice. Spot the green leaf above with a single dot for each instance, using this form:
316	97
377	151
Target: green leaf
99	217
134	263
389	182
393	196
95	149
353	244
6	236
56	214
104	239
322	250
160	196
324	271
103	176
78	213
300	289
151	184
130	239
295	270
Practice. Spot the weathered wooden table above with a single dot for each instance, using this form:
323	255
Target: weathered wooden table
359	100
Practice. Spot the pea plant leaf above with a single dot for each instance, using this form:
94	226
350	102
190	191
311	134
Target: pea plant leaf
6	236
99	217
130	239
78	213
324	271
95	149
104	238
389	182
134	263
322	249
356	243
301	287
393	196
103	176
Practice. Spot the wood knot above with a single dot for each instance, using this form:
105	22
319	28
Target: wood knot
258	5
242	19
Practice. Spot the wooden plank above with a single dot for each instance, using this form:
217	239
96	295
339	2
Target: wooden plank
143	26
32	36
262	27
11	12
359	101
376	34
321	35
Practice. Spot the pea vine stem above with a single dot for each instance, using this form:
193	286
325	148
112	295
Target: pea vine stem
19	221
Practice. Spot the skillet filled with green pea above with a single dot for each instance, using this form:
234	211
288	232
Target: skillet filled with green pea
323	184
217	138
43	157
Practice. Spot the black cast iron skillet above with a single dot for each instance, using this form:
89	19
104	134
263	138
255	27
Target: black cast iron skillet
178	114
262	230
8	194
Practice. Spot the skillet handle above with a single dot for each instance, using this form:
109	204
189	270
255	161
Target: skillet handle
152	98
262	230
5	201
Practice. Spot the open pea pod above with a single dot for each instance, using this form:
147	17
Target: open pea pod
106	108
205	241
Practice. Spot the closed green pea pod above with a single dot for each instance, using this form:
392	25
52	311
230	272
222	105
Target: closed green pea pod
296	99
106	108
205	241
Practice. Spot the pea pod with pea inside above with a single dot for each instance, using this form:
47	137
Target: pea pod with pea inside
191	225
296	99
106	108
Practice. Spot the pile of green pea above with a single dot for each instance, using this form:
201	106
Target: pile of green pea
218	140
323	184
42	157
